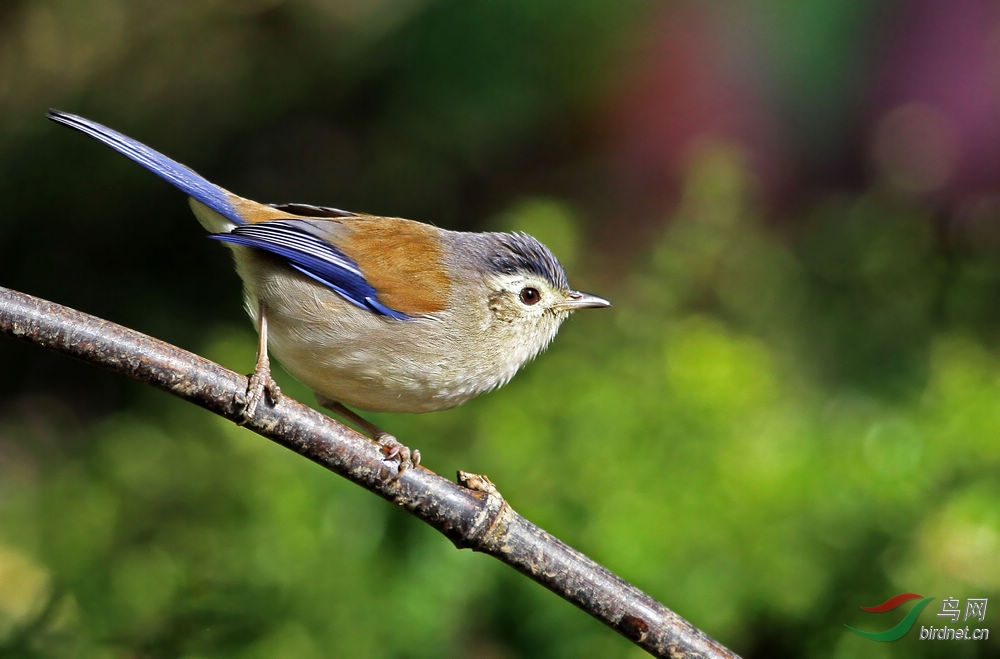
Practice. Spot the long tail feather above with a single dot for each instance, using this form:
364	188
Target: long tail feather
177	174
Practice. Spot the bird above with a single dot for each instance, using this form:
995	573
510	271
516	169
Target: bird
370	312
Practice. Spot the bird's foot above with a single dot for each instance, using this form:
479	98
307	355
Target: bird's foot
393	450
390	446
259	384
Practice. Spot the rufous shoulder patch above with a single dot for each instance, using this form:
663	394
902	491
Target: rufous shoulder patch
401	259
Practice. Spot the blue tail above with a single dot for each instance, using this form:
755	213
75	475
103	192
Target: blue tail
180	176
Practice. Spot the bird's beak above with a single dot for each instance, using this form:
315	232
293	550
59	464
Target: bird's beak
577	300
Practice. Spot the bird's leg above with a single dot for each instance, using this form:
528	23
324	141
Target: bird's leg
260	382
390	445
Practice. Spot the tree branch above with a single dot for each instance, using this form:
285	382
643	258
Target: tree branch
472	515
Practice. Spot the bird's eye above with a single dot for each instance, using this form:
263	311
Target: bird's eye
530	296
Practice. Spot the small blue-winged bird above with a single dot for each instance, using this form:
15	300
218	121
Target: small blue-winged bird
379	313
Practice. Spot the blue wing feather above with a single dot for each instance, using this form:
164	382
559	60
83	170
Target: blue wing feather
313	257
302	249
186	180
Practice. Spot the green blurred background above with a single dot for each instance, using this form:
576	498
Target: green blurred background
792	410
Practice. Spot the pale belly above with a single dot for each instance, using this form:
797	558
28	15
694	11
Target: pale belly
354	357
371	380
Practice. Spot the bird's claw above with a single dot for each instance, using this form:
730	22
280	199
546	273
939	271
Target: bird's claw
259	384
390	446
393	450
